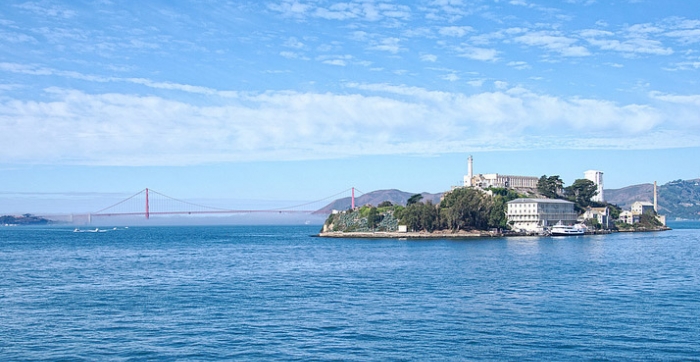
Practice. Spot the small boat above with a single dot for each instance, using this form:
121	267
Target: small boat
567	230
96	230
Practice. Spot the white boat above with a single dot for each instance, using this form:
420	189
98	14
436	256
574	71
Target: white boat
567	230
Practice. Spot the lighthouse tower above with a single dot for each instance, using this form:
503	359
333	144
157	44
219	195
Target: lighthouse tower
470	172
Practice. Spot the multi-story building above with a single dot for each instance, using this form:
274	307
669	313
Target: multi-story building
642	207
535	214
485	181
602	214
628	217
597	178
503	181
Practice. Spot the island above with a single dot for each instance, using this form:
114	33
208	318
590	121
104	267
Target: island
540	208
26	219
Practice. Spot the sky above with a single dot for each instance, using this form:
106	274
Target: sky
258	103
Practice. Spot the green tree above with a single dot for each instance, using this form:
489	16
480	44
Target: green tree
420	216
649	220
550	186
581	192
614	211
414	199
429	217
373	218
497	216
385	204
464	209
410	216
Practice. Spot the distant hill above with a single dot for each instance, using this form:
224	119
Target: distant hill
626	196
678	199
374	198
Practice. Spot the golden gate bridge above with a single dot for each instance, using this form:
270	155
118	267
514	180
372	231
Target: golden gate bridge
148	202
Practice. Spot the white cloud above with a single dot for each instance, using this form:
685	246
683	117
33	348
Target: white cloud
290	55
290	8
293	42
450	77
634	39
351	10
476	82
12	37
75	127
338	62
476	53
47	10
519	65
455	31
685	36
553	42
428	58
390	45
637	45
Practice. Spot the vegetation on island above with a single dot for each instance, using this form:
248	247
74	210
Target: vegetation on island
647	222
581	192
462	209
26	219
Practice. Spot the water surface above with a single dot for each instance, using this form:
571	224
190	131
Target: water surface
276	293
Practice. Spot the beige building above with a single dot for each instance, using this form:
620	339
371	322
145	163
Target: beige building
602	214
535	214
638	209
628	217
642	207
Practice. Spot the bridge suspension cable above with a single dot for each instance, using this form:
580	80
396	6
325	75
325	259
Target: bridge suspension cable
144	203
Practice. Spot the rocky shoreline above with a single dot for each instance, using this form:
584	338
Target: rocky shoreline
408	235
447	234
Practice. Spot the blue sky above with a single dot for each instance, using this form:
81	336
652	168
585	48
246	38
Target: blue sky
286	101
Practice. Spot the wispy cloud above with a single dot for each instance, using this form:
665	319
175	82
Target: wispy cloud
477	53
391	45
48	10
455	31
553	41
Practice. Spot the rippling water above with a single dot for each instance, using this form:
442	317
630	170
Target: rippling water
276	293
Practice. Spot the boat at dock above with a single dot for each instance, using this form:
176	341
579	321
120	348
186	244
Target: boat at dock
567	230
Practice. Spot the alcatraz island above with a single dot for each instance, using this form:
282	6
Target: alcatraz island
499	205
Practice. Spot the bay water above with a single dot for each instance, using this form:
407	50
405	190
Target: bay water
279	293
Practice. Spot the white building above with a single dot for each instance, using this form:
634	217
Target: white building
534	214
503	181
597	178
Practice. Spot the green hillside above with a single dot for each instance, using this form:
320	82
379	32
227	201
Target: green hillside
678	199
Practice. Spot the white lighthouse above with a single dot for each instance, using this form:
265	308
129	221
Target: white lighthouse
470	172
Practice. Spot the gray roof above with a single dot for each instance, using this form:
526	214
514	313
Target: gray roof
539	201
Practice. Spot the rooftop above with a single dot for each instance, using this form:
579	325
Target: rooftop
539	201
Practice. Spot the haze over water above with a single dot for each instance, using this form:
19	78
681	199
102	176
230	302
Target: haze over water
277	293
